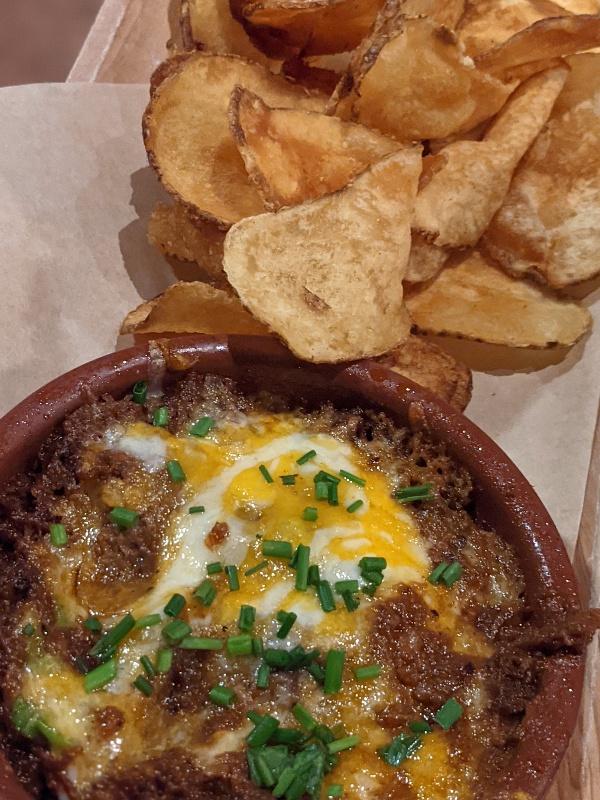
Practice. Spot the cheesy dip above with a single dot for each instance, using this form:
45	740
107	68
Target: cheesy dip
208	594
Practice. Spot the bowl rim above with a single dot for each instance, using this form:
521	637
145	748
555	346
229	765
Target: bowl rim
538	541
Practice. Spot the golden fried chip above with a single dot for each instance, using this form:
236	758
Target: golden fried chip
209	25
410	80
425	260
186	132
327	275
172	232
315	27
193	307
580	6
458	202
295	156
442	12
474	300
549	224
428	365
491	22
548	38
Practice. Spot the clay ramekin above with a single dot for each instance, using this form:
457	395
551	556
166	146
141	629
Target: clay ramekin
503	499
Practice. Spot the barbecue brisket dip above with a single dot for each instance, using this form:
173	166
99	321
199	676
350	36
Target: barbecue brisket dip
212	595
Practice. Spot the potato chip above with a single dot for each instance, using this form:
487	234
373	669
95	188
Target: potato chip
428	365
209	24
491	22
410	80
475	300
425	260
580	6
548	38
549	224
315	27
172	232
327	275
186	132
458	202
193	307
442	12
295	156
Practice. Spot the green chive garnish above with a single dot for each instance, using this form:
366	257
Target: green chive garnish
175	471
335	790
113	637
287	619
325	596
314	577
99	677
214	568
164	659
239	645
287	777
367	673
265	473
123	518
93	624
449	713
306	457
257	646
332	494
232	578
325	476
321	490
451	574
200	643
196	510
247	618
28	630
369	563
346	586
161	417
350	601
353	478
202	427
419	727
343	744
142	685
303	556
206	592
288	480
139	392
58	535
275	549
304	718
175	605
262	731
334	666
147	665
262	676
149	621
310	514
411	494
222	696
175	631
437	573
354	506
256	568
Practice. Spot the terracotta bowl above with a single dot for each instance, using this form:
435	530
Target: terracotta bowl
502	497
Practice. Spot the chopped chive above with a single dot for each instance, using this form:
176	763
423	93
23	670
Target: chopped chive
437	573
202	427
256	568
262	732
257	646
334	666
354	506
332	494
286	779
326	596
346	586
265	473
139	392
214	568
326	476
335	790
58	535
350	601
200	643
247	618
196	510
310	514
369	589
123	518
317	672
279	659
373	576
93	624
161	417
298	787
451	574
164	658
264	770
232	578
276	549
449	713
372	563
25	717
353	478
254	717
401	747
302	567
306	457
367	673
99	677
81	666
314	577
113	637
304	718
419	727
147	665
288	480
294	560
262	676
28	630
148	621
287	619
343	744
239	645
142	685
175	605
206	592
411	494
222	696
321	490
175	471
175	631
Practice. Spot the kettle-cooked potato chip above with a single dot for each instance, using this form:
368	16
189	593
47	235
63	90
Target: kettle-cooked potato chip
474	300
411	80
327	275
187	137
549	224
460	199
193	307
441	12
426	259
295	155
